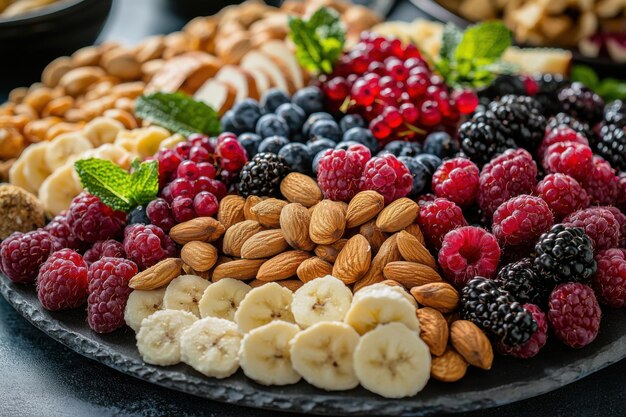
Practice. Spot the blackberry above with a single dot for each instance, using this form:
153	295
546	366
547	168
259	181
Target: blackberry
615	113
262	175
494	310
564	254
521	119
482	137
502	85
582	103
549	86
612	146
521	281
564	119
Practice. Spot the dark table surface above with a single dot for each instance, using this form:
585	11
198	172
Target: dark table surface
41	377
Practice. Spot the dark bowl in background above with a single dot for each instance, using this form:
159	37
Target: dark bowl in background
192	8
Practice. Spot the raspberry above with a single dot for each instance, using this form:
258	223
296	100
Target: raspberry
574	314
438	217
561	133
521	220
90	220
571	158
601	183
599	224
621	219
62	281
23	253
537	340
456	180
339	174
609	281
108	293
621	194
147	245
563	194
468	252
507	175
387	175
104	248
59	228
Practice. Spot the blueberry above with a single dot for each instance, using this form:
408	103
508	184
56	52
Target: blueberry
431	162
272	125
361	135
441	144
419	172
297	156
351	120
298	137
251	142
138	215
316	160
346	144
319	145
310	99
245	114
293	115
227	123
326	129
402	148
272	144
314	118
272	99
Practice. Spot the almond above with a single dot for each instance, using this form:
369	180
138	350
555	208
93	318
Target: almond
201	256
292	284
294	222
329	252
300	188
268	212
205	229
264	244
251	201
439	295
231	210
388	252
313	268
282	266
410	274
158	275
414	229
449	367
202	274
413	250
392	283
397	215
238	269
433	329
373	234
364	207
328	222
353	261
471	343
237	234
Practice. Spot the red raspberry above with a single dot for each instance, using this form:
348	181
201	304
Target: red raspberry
363	151
108	293
104	249
599	224
571	158
574	314
90	220
23	253
609	281
438	217
339	174
601	183
62	281
59	228
563	194
426	199
507	175
537	340
387	175
457	180
147	244
621	195
621	219
468	252
561	133
521	220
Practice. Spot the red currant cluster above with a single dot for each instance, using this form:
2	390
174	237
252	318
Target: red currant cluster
394	89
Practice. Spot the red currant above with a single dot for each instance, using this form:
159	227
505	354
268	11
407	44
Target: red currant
362	93
183	149
392	117
416	85
199	154
409	112
188	170
223	136
181	187
182	209
466	101
337	88
379	128
159	214
205	204
429	113
206	169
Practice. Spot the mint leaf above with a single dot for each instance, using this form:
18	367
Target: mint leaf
144	182
609	88
107	181
450	40
487	40
585	75
178	113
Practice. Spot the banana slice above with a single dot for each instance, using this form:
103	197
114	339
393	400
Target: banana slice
149	140
264	304
158	339
102	130
113	153
18	177
381	306
63	147
222	299
323	354
172	141
392	361
35	168
265	355
211	347
184	293
322	299
379	285
58	190
142	304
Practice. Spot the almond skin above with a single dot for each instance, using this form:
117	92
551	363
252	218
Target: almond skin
328	222
373	234
388	252
410	274
158	275
439	295
264	244
292	284
204	229
251	201
238	269
433	329
413	250
201	256
471	343
300	188
231	210
313	268
353	261
449	367
414	229
364	207
397	215
295	220
268	212
329	252
236	236
282	266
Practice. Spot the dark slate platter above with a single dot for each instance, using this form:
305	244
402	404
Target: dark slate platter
510	379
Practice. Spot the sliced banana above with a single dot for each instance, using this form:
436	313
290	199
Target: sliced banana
63	147
114	153
158	339
18	177
264	304
265	355
381	306
322	299
222	299
379	285
172	141
392	361
149	140
59	189
211	347
35	168
323	355
184	293
142	304
102	130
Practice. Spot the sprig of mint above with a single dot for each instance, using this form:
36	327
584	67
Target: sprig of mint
608	88
178	113
319	40
116	187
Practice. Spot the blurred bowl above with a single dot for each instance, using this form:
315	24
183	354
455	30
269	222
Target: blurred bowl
192	8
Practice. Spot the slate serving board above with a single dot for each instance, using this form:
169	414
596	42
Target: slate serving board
510	379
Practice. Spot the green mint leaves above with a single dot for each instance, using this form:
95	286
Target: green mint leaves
117	188
609	88
178	113
319	41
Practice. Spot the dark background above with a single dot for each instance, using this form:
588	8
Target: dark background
40	377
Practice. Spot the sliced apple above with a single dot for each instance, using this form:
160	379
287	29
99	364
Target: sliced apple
240	79
276	71
217	94
185	72
281	52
